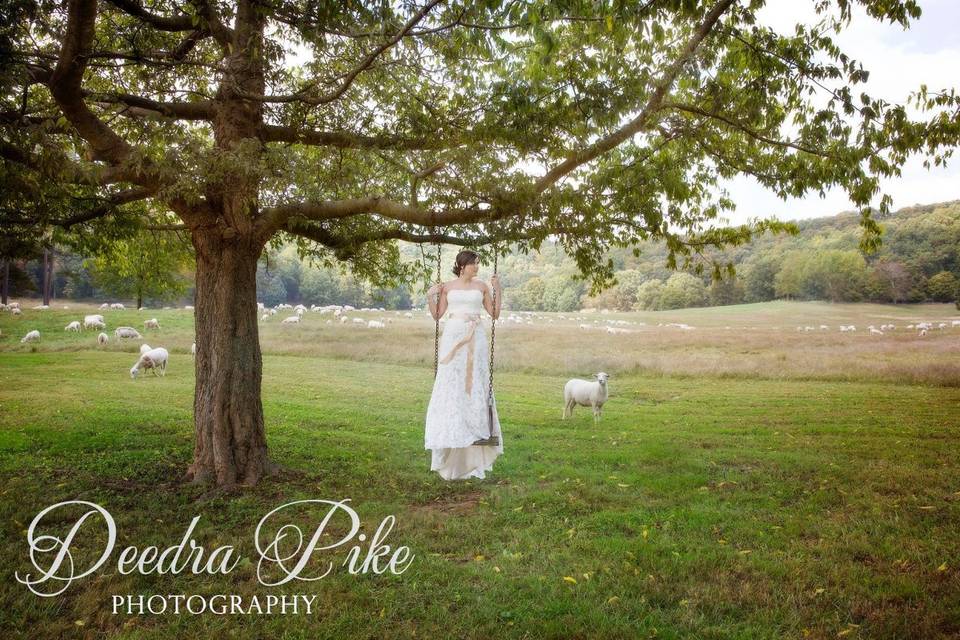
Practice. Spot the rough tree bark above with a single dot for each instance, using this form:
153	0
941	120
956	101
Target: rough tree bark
230	442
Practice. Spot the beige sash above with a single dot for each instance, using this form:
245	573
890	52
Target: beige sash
468	341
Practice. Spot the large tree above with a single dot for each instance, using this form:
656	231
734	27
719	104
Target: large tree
350	125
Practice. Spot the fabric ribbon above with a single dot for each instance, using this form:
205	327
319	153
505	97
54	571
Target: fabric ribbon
467	341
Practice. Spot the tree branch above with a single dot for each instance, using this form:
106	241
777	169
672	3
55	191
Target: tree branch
653	103
301	95
65	84
346	140
742	128
181	22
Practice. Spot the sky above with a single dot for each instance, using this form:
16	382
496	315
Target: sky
899	61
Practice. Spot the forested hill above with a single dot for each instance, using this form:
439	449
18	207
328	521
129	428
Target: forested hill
918	261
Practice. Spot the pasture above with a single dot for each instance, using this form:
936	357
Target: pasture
746	480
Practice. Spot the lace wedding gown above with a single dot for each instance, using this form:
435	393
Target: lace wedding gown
457	413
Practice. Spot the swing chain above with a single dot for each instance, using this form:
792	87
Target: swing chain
436	333
493	329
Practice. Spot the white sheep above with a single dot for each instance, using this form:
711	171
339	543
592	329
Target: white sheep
102	338
923	332
15	311
589	393
375	324
155	359
144	348
152	323
117	305
73	326
291	320
32	336
105	305
875	331
126	332
94	321
264	317
193	349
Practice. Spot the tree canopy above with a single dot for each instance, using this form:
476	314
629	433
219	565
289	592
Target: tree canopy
359	123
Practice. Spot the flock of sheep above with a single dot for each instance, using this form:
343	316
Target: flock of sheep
151	358
921	327
592	393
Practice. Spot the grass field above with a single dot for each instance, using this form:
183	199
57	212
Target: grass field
750	482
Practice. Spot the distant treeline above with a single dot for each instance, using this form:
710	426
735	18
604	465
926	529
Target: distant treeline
919	261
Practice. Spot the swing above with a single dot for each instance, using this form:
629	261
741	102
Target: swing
491	440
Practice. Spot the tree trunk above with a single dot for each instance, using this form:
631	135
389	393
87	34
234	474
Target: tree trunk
5	287
43	278
139	297
231	446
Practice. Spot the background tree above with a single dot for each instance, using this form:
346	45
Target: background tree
648	295
408	121
942	287
149	265
894	278
683	290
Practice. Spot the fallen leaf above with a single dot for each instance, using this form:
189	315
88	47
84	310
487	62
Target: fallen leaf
570	579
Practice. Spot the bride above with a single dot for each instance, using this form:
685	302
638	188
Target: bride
457	415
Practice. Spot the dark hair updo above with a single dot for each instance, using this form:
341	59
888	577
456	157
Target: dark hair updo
464	258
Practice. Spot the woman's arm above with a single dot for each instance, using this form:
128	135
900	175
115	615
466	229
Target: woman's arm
493	307
437	309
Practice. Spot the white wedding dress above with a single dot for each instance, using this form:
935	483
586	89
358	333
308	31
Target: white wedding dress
457	413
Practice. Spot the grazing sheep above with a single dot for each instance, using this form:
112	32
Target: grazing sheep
359	321
155	359
923	332
105	305
876	331
193	349
375	324
152	323
188	307
32	336
291	320
589	393
102	338
73	326
91	320
126	332
264	317
15	311
144	348
117	305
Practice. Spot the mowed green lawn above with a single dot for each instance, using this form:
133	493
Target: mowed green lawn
707	506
